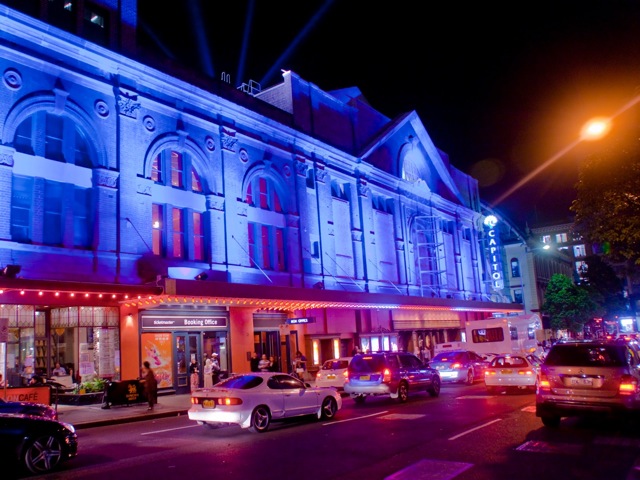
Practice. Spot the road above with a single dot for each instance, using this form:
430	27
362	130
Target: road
464	434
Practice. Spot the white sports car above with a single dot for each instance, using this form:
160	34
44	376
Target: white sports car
254	400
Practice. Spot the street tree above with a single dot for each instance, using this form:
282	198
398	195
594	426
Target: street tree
604	286
568	306
607	204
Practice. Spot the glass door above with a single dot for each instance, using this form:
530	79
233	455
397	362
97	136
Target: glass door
187	347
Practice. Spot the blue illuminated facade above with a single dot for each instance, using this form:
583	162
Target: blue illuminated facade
208	201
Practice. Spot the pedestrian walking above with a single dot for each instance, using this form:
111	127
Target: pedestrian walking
150	385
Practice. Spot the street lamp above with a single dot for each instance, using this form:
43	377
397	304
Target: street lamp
595	129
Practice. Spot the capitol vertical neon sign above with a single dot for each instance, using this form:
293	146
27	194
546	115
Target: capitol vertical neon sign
497	280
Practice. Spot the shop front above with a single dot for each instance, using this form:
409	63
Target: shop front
172	340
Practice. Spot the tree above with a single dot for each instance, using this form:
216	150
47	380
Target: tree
604	286
607	204
568	306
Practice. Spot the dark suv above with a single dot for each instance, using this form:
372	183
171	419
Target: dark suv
389	373
587	377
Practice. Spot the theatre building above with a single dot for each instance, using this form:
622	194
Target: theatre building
153	214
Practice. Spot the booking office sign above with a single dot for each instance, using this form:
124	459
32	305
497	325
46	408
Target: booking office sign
493	251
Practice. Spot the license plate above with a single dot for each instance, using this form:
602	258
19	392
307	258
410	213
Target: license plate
581	382
208	404
331	377
506	372
365	377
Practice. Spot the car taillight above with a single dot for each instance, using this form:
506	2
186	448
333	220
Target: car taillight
229	401
318	375
195	400
628	385
345	374
489	372
456	366
525	372
386	375
544	383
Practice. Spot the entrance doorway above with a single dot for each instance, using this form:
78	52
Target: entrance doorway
187	347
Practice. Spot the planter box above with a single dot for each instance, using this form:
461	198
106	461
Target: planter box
79	398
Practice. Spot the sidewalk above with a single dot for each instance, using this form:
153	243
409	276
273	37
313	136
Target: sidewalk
89	416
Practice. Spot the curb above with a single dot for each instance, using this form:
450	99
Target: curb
130	419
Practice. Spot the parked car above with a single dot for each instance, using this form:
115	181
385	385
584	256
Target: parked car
35	443
27	408
588	377
393	374
463	366
512	372
333	373
254	400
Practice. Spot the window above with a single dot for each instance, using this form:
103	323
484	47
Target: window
81	216
546	239
266	247
561	238
515	268
177	230
198	236
58	208
52	231
21	198
64	141
579	251
175	169
482	335
517	295
261	193
157	213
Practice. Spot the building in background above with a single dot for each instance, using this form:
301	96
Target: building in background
151	214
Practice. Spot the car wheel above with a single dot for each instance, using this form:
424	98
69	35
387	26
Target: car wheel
434	389
43	454
212	426
260	419
470	377
403	392
550	421
359	398
329	408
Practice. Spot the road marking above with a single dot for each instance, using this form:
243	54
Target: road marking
530	408
169	430
546	447
476	428
357	418
430	470
472	397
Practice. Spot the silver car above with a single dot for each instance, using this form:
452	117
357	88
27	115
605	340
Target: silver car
593	377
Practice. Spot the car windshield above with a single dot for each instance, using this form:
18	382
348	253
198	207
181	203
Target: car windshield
508	362
241	382
449	357
586	355
367	363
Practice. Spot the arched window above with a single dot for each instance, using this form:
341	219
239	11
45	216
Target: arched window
175	169
262	193
52	205
63	141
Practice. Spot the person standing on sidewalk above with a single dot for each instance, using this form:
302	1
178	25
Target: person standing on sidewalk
208	373
194	374
150	385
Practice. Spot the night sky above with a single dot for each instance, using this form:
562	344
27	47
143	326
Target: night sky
501	87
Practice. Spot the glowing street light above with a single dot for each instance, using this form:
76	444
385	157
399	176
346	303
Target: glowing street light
595	129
